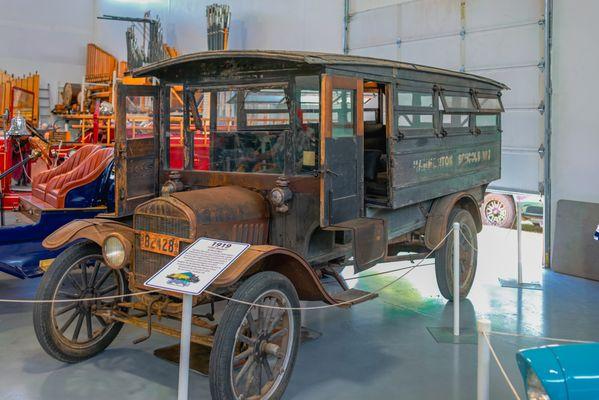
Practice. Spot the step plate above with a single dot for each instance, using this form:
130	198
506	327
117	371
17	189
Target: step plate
353	296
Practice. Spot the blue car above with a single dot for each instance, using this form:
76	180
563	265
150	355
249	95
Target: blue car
561	372
82	187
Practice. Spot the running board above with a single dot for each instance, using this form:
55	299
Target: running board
353	296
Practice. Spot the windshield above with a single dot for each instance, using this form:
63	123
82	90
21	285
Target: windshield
234	130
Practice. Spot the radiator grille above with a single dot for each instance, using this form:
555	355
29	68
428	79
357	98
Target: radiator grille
161	217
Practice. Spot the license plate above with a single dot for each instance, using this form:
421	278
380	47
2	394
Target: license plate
158	243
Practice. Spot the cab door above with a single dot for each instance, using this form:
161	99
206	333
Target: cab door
136	146
342	150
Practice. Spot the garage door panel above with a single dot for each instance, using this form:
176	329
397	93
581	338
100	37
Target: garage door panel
524	85
429	18
374	28
503	41
519	171
441	52
359	6
504	47
504	12
521	129
387	52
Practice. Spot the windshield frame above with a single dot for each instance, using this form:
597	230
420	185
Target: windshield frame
209	127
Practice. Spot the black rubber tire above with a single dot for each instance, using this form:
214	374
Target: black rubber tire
224	338
444	255
43	325
508	220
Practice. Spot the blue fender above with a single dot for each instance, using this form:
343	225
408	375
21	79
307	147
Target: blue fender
567	372
21	246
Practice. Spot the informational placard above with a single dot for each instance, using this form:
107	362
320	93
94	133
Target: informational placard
196	267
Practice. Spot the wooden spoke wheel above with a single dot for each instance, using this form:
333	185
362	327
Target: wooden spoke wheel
468	255
255	347
73	331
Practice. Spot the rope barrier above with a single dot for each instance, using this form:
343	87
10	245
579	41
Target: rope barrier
251	304
507	379
550	339
78	300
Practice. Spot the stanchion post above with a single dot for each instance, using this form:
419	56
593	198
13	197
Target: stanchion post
456	279
483	360
519	227
185	348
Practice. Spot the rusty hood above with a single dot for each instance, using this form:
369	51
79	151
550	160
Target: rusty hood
226	212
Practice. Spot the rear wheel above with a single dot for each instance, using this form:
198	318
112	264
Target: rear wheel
468	255
255	347
72	331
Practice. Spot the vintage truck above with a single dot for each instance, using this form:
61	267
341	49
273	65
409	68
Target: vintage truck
316	160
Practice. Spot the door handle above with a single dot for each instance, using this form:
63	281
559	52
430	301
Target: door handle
327	171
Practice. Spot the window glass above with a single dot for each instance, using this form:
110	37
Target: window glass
305	138
485	121
343	113
226	110
415	99
266	107
458	101
456	120
415	121
139	117
489	103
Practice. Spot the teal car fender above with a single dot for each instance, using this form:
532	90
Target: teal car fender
567	372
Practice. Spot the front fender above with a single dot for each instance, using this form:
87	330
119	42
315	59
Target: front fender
94	229
272	258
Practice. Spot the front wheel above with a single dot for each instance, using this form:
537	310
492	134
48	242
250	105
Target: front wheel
73	331
468	255
255	347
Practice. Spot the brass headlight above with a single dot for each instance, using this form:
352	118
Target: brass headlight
115	250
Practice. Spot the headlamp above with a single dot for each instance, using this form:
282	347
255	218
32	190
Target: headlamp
534	387
115	250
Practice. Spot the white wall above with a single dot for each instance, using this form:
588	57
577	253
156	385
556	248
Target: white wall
51	36
45	36
263	24
575	141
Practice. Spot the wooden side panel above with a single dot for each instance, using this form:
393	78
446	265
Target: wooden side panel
426	168
100	64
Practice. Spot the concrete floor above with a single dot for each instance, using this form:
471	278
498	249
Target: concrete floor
376	350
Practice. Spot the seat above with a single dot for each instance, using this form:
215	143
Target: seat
40	181
86	172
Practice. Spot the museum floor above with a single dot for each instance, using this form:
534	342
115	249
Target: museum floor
377	350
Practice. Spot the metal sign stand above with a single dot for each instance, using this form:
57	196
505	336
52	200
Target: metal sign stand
183	388
518	283
456	279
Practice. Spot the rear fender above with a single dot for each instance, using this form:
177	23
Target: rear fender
436	222
272	258
94	229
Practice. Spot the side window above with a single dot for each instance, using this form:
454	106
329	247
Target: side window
374	106
343	113
307	123
415	111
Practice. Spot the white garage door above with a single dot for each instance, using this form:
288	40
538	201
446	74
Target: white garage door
502	40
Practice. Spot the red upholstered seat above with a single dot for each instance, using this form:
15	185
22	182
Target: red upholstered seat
87	171
40	181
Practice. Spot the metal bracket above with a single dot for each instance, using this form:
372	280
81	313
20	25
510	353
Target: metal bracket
463	33
398	42
541	151
541	107
541	65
